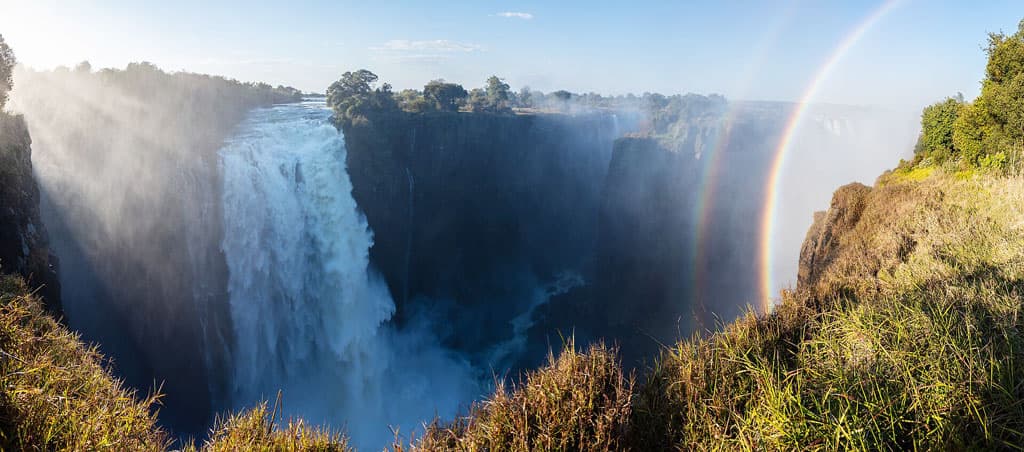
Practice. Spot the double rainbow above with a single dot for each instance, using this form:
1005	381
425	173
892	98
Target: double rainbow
711	166
769	220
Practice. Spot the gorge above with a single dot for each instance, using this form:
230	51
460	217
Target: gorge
389	271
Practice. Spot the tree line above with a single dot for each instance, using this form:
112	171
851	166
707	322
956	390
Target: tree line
988	132
358	95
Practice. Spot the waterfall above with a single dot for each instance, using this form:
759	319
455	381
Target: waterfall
310	316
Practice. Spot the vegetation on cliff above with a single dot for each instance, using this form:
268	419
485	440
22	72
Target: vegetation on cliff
356	98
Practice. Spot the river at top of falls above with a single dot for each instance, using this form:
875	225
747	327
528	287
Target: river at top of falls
310	316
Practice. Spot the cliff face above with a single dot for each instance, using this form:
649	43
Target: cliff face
645	240
824	236
476	215
24	245
474	212
678	220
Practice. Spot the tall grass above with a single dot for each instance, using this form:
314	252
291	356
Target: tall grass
580	401
54	391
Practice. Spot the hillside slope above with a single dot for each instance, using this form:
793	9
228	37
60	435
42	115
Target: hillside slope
903	333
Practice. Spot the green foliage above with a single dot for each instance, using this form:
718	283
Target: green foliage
354	96
445	96
995	161
993	124
1005	56
413	101
498	94
7	62
477	100
937	128
495	97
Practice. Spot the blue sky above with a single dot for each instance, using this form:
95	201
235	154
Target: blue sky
919	52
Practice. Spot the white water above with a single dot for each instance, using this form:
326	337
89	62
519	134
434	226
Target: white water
309	314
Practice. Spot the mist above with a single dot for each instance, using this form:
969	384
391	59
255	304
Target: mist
227	242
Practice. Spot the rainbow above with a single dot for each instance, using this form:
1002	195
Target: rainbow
782	150
712	165
709	172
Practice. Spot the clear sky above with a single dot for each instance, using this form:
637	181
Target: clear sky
919	52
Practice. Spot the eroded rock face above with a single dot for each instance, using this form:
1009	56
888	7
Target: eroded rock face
823	238
24	245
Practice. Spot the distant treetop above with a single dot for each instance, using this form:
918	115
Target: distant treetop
7	62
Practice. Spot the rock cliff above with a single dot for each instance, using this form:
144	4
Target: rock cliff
24	244
472	213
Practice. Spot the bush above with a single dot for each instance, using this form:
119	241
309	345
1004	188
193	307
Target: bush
936	140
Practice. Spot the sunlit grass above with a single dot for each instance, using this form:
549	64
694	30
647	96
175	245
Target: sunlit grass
54	391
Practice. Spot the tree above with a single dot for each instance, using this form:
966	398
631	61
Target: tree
445	96
971	131
413	101
354	96
497	94
937	121
478	101
7	62
994	123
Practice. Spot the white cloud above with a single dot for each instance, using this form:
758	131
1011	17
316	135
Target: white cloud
516	15
430	46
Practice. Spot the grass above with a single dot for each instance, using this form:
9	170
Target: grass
56	394
907	334
909	338
54	391
579	401
256	430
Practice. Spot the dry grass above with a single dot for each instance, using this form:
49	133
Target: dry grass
55	393
579	401
908	338
255	430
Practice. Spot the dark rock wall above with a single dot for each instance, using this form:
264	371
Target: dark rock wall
471	212
24	244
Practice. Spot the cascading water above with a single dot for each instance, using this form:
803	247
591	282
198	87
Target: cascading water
309	314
